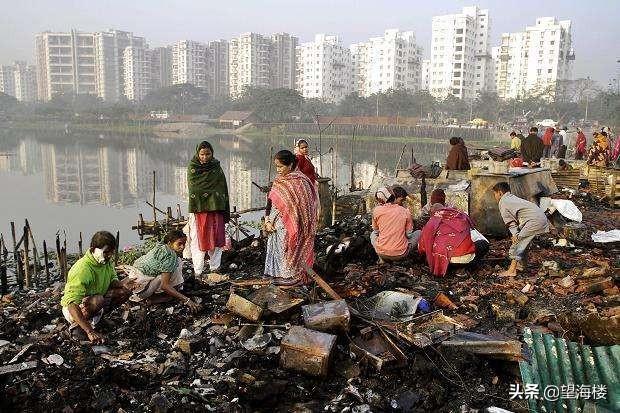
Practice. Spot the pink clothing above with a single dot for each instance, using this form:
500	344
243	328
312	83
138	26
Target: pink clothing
392	221
616	151
447	234
210	227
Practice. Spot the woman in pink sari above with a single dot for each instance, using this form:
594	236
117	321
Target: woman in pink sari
290	222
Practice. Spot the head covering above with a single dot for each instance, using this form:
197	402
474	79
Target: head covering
207	186
383	194
438	196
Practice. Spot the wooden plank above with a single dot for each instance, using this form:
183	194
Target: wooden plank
326	287
16	368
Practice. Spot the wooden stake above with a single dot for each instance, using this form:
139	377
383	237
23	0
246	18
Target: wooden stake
4	287
16	258
35	253
46	260
80	245
154	209
26	257
179	216
118	240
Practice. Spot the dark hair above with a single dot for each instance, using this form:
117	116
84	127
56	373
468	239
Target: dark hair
455	140
604	134
513	133
399	192
287	158
204	145
502	187
103	239
438	196
300	141
562	162
534	129
173	235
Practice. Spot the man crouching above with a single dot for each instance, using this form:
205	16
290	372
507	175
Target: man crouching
93	288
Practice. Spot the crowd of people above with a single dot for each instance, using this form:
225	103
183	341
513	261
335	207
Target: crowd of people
443	235
554	143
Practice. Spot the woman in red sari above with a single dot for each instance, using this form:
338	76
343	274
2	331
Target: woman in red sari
290	222
580	145
304	164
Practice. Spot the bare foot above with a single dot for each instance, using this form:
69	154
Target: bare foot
508	273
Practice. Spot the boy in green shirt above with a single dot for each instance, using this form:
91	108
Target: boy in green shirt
93	287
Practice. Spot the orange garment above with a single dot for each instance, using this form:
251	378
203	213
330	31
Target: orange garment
392	221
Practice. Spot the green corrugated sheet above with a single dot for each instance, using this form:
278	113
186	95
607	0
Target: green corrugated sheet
555	361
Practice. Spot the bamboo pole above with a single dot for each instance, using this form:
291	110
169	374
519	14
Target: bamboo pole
4	287
16	258
35	253
46	260
118	240
80	245
26	252
179	216
236	222
154	208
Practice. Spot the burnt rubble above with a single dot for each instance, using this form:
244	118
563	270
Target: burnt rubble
255	347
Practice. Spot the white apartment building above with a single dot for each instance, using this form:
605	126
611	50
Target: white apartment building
110	46
65	63
533	61
189	63
249	62
391	61
283	60
7	80
25	81
137	78
262	62
161	67
324	69
217	68
425	81
460	54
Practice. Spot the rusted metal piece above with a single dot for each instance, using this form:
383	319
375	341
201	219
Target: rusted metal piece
307	351
274	299
486	346
331	316
378	350
244	308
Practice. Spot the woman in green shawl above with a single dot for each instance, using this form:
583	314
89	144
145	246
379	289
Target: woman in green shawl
209	208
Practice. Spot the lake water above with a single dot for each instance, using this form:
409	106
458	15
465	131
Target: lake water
85	183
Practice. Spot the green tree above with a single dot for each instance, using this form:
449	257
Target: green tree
178	99
271	105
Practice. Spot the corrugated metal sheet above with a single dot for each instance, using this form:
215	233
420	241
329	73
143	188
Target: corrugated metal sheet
557	362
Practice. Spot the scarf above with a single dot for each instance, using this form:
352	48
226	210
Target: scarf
295	198
446	231
207	186
458	160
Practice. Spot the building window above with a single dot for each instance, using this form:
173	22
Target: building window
549	70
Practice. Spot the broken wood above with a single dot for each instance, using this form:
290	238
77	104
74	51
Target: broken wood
244	308
16	368
326	287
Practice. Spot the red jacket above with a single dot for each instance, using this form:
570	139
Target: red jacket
548	136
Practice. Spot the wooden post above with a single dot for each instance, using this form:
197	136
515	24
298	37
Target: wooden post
26	253
35	254
59	256
325	198
16	258
118	240
179	215
46	260
4	287
141	226
169	213
154	208
80	245
270	163
236	224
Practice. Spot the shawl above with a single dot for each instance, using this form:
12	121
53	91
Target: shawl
295	198
458	159
159	259
446	231
580	145
207	186
531	148
599	152
305	166
616	151
548	136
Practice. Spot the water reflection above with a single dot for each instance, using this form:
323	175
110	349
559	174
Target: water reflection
88	171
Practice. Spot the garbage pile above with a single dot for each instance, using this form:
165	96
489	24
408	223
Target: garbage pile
362	337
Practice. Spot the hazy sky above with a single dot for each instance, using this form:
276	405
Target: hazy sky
596	23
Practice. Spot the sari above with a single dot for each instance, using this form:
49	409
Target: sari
599	153
580	145
291	247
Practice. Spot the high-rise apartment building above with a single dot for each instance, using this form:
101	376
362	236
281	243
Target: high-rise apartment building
534	61
137	78
324	69
189	63
283	60
7	80
110	47
65	63
262	62
217	68
161	67
460	54
425	82
391	61
25	81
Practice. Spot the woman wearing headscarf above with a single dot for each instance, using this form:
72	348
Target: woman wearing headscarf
392	237
458	159
547	138
209	208
290	223
304	164
580	145
599	151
